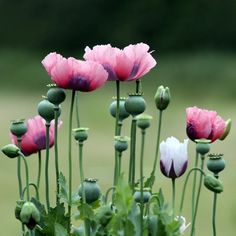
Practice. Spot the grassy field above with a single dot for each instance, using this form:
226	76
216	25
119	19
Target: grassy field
205	80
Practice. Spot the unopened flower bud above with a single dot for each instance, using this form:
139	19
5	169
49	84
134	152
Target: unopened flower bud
104	214
216	163
146	195
80	134
30	215
135	104
227	129
56	95
213	184
143	121
18	208
121	143
11	150
202	146
162	97
46	110
123	114
18	127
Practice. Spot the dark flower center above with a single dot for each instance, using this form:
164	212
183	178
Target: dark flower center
79	83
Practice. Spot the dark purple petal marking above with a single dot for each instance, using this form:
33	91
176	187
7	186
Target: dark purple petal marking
40	141
111	73
134	71
191	132
79	83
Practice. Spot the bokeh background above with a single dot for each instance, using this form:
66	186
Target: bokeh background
194	43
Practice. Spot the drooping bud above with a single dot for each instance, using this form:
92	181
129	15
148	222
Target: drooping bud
56	95
11	150
216	163
202	146
80	134
143	121
227	129
46	110
30	215
213	184
121	143
123	114
104	214
135	104
146	195
162	97
18	208
18	127
92	190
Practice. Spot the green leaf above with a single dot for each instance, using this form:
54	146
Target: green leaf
60	230
64	192
150	181
55	215
123	198
85	212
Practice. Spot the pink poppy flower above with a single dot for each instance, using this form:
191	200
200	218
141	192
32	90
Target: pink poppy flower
74	74
204	124
34	139
174	157
128	64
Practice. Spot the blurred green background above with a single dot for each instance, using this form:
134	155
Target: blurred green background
194	43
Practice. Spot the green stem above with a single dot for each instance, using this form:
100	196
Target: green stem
19	139
56	111
35	188
132	154
77	109
26	175
86	221
214	214
117	128
32	232
194	184
119	166
70	158
117	105
107	193
141	179
197	199
185	185
158	142
46	167
39	169
173	197
138	86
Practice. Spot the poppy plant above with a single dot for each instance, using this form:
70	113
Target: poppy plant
70	73
128	64
34	139
204	124
174	157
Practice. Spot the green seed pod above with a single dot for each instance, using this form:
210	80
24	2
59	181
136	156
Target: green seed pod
46	110
202	146
56	95
216	163
30	215
143	121
121	143
146	195
162	97
80	134
123	114
92	190
11	150
104	214
213	184
135	104
18	127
